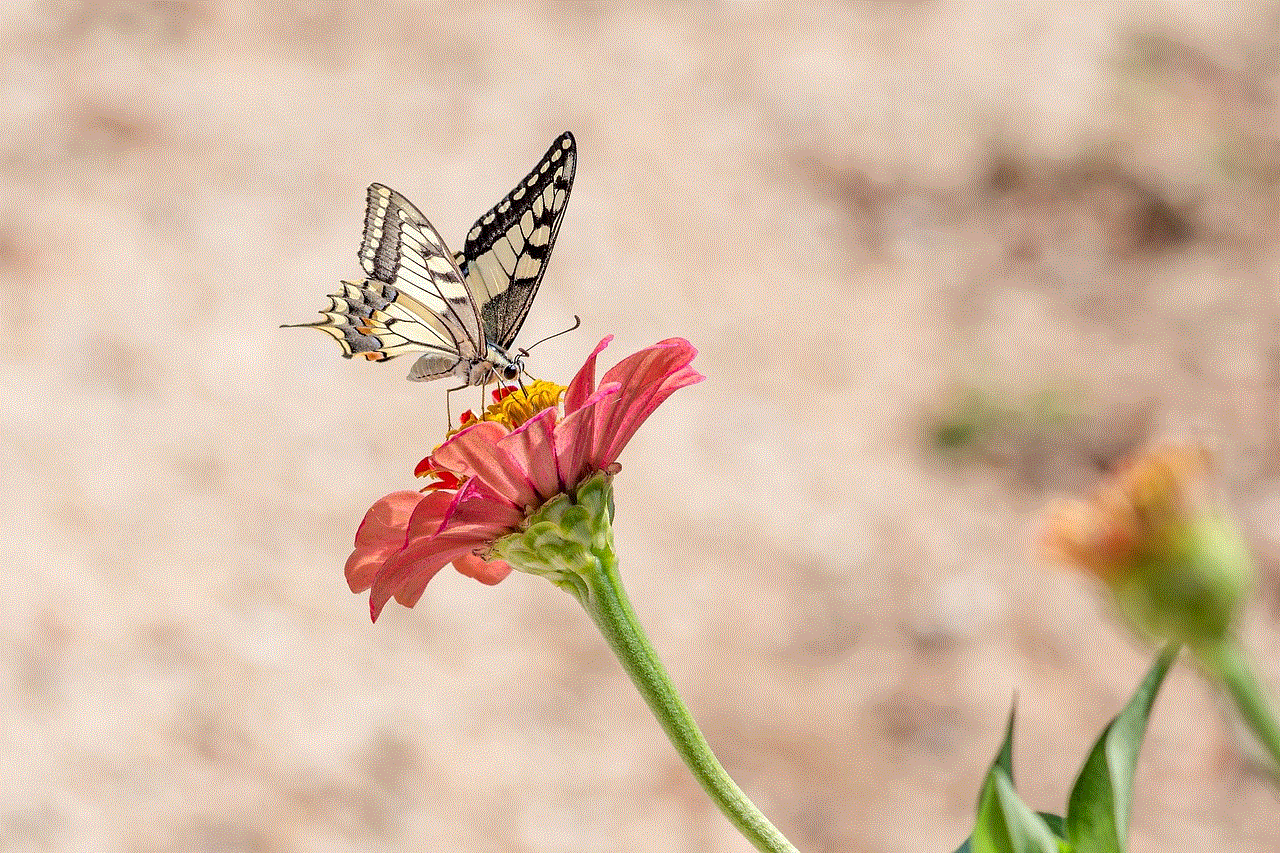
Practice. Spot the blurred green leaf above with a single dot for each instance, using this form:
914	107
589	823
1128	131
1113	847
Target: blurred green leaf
971	420
1102	798
1055	823
1005	824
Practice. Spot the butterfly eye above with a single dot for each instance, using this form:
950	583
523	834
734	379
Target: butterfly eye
511	371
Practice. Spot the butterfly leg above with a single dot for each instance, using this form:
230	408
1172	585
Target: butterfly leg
448	412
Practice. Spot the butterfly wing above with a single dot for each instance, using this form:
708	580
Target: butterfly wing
415	298
506	250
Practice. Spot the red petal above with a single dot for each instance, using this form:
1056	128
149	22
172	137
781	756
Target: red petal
476	508
485	571
382	532
577	435
408	572
428	516
647	377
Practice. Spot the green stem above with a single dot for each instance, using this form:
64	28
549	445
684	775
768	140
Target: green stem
569	541
607	604
1229	663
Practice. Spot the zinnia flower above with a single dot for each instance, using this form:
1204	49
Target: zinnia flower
491	475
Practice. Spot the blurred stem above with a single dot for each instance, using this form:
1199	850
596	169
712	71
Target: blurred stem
1229	663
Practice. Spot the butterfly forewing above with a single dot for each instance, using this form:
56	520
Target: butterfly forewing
401	248
506	251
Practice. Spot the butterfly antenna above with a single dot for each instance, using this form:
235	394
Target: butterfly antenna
577	321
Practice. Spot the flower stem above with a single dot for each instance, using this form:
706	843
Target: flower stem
1228	661
607	604
569	541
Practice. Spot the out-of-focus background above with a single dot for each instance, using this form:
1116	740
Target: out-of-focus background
942	261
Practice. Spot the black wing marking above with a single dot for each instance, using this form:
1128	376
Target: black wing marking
506	250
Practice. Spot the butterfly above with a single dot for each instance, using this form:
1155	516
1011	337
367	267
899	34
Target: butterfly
461	311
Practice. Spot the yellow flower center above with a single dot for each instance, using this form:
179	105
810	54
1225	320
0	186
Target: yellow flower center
512	408
518	405
514	405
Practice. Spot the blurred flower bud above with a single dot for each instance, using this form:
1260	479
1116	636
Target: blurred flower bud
1176	563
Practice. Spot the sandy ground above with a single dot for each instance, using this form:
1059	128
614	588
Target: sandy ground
1051	225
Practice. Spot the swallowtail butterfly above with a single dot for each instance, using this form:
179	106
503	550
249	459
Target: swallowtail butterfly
460	311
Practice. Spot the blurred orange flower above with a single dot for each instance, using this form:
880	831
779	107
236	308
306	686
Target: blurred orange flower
1175	562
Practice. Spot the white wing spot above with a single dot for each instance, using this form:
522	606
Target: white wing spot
555	158
474	233
546	164
566	145
533	179
504	207
526	223
518	194
488	218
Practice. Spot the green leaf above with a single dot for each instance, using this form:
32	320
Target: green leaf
1004	823
1004	757
1102	798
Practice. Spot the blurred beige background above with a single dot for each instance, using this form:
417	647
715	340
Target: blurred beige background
942	260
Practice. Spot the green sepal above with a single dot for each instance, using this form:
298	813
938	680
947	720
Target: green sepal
1101	800
566	538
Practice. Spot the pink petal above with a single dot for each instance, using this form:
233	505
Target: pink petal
647	377
584	381
485	571
444	528
406	575
532	446
475	452
476	508
428	516
576	436
382	532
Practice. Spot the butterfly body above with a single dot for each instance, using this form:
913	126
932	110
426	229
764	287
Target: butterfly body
496	364
460	313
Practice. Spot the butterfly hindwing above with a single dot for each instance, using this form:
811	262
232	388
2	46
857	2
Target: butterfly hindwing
506	251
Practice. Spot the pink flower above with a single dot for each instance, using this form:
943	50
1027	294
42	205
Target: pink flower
503	472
